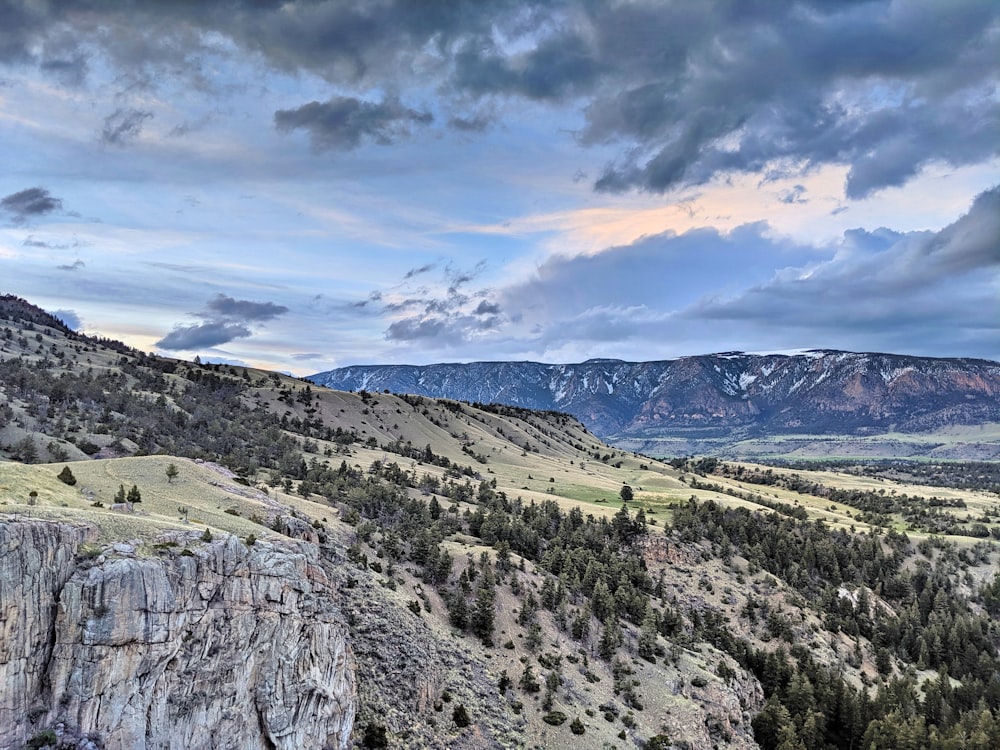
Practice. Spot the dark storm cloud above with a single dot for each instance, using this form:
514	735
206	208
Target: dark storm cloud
123	126
225	319
884	88
26	204
557	67
684	91
343	123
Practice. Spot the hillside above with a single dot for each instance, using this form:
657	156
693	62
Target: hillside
819	403
475	566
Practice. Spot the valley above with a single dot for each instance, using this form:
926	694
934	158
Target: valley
460	575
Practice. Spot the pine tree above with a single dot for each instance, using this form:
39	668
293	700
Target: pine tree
483	614
647	636
66	476
611	638
458	611
134	496
580	628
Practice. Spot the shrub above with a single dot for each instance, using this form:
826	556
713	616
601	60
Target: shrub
374	737
42	739
66	476
576	727
460	716
555	718
88	447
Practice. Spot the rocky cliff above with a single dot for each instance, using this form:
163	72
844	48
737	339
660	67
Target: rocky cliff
183	644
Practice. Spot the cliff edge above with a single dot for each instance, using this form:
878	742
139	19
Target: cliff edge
180	644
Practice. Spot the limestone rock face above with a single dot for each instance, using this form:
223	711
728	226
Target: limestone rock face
36	560
223	646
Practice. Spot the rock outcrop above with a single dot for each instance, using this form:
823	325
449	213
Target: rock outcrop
186	644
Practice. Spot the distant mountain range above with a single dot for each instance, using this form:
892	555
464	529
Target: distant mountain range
726	396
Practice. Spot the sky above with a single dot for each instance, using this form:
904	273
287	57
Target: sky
312	184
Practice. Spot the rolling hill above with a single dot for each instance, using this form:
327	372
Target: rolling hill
361	569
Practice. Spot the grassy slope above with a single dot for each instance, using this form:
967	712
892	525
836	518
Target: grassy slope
559	449
558	464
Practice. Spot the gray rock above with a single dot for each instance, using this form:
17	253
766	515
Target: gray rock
233	647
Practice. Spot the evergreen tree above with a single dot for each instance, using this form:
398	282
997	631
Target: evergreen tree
647	636
611	638
483	614
458	610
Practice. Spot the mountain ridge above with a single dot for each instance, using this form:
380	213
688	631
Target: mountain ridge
726	395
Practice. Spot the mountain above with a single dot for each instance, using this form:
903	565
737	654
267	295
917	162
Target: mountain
719	397
312	572
298	567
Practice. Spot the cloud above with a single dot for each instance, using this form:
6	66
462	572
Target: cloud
885	88
225	320
417	271
29	203
244	310
76	265
923	292
473	124
69	318
409	329
487	308
30	241
123	126
794	195
343	123
681	92
203	335
883	280
559	66
69	71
